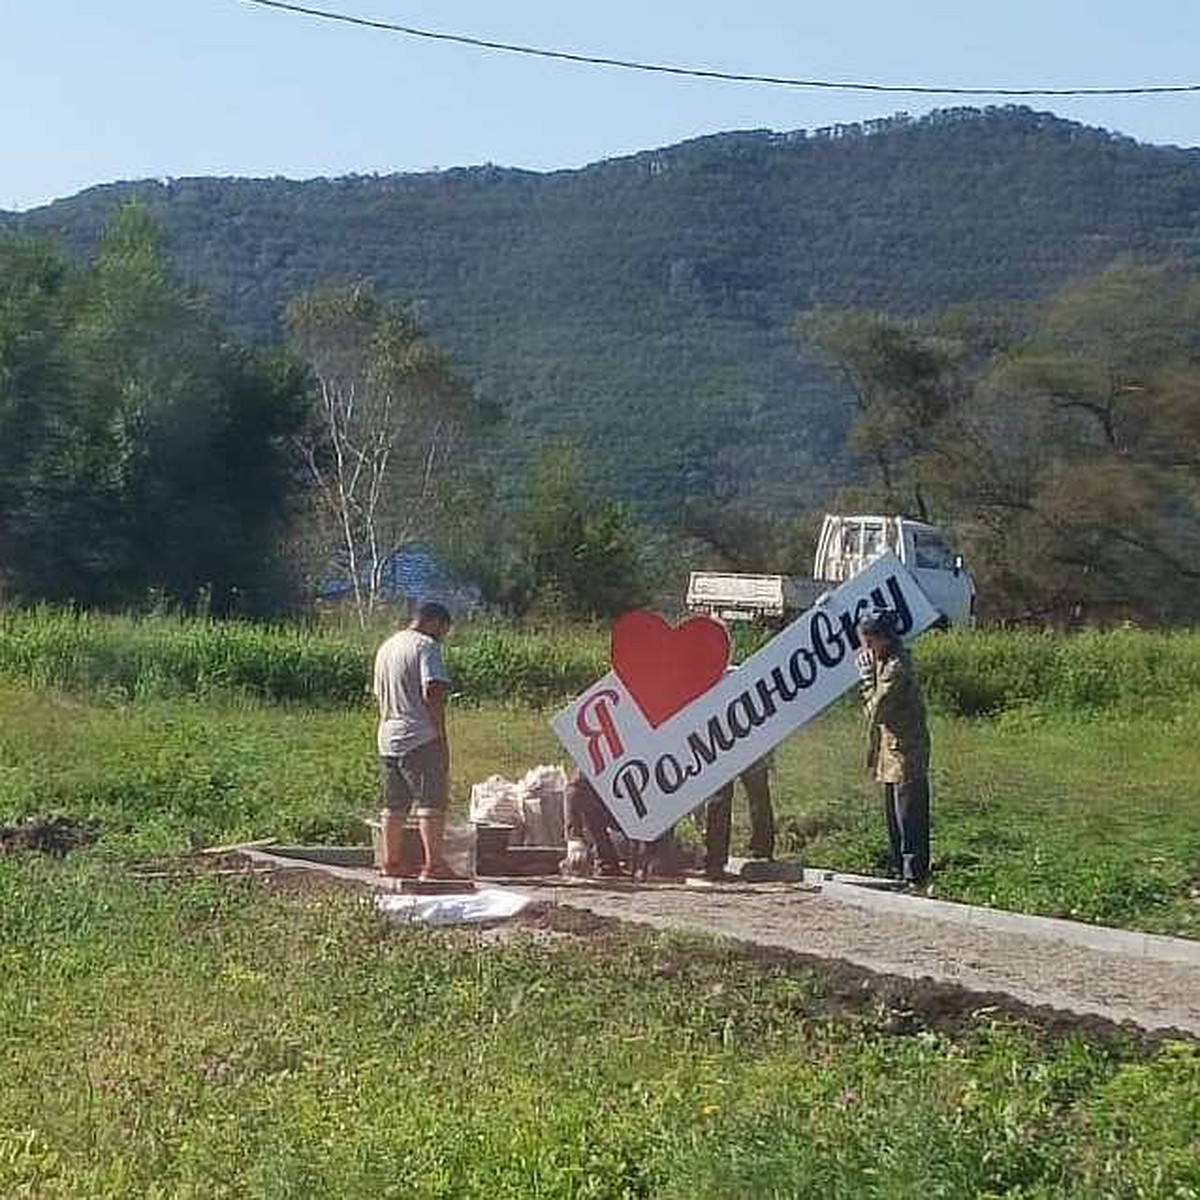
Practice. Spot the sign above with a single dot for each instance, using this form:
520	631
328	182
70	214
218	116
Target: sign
670	725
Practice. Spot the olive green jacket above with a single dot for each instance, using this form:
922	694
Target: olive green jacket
897	732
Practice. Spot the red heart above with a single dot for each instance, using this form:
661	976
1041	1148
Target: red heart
666	668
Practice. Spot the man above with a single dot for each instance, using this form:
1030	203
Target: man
897	744
411	685
588	828
718	819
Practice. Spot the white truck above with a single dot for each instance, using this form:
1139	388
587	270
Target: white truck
845	547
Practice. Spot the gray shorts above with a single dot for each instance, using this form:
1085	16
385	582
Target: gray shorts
418	777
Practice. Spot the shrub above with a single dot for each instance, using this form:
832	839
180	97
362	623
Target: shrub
965	674
132	658
976	674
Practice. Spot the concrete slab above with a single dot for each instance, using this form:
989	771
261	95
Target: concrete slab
766	870
819	876
1150	992
864	891
334	856
1052	929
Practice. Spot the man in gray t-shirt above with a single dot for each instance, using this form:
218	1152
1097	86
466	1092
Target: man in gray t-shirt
411	684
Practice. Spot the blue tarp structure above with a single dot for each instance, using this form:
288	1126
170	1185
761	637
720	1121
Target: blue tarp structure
412	574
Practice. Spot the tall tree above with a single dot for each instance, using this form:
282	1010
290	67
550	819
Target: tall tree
739	538
1077	465
36	419
154	455
580	550
902	381
388	416
199	425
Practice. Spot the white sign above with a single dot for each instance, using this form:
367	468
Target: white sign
651	775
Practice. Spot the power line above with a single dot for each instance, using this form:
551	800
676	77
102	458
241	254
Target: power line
727	76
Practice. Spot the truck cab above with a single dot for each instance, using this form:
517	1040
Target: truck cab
848	544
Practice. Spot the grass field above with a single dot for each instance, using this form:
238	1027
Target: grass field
1096	817
219	1038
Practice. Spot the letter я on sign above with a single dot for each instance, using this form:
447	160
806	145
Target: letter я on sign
669	726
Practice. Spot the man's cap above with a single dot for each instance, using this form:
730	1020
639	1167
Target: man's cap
878	620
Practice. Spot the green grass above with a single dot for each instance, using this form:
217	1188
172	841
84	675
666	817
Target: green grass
158	775
1096	818
124	658
1130	670
215	1039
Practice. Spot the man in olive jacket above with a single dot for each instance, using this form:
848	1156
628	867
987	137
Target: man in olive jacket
897	744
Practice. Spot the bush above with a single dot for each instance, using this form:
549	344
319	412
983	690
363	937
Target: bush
965	674
979	674
168	656
165	656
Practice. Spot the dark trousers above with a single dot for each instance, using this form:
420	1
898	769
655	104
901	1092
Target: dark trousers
906	810
718	819
587	819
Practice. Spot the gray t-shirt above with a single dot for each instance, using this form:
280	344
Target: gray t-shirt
404	664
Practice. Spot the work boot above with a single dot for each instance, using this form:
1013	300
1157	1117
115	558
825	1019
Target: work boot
715	874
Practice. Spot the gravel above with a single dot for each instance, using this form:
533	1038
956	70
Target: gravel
1036	968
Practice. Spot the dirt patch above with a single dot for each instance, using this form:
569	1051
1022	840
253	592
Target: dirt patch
46	835
574	922
300	883
889	1003
297	881
1032	966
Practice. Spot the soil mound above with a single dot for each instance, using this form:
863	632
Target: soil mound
46	835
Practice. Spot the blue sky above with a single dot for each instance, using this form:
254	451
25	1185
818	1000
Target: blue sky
98	90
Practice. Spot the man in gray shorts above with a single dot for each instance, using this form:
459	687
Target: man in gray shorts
411	685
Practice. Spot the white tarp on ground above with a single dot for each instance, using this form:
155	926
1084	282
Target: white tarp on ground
460	908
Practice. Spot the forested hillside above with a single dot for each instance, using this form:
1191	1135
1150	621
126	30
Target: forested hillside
642	306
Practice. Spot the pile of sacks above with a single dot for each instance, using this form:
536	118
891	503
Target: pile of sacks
534	806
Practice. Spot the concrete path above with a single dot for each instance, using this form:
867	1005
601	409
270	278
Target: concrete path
1121	976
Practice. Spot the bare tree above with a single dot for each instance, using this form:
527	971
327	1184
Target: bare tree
388	413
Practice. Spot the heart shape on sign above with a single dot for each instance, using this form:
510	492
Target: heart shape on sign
666	667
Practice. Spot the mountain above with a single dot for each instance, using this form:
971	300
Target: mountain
640	306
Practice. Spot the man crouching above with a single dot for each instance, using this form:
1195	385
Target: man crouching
589	829
593	837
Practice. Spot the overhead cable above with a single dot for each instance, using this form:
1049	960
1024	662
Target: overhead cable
726	76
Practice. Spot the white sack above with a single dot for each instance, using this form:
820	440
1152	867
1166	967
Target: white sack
496	801
542	795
